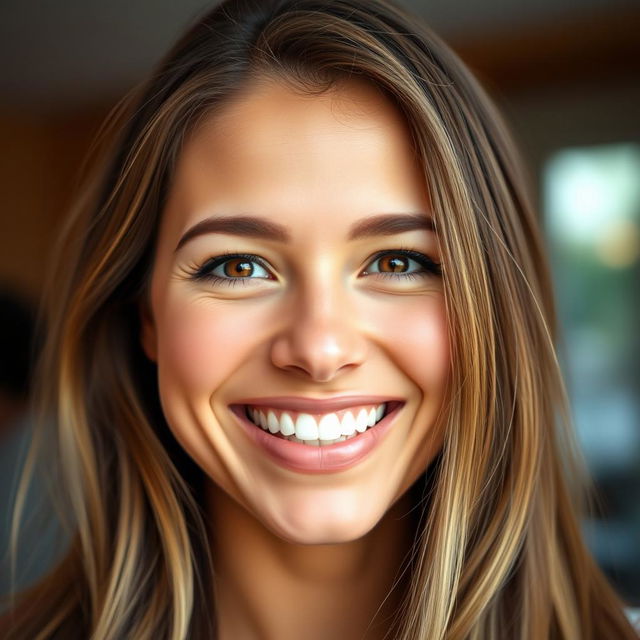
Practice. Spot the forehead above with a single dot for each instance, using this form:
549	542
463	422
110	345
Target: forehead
274	151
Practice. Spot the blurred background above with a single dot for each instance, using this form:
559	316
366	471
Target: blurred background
566	74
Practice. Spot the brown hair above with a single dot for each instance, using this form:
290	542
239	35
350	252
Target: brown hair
500	554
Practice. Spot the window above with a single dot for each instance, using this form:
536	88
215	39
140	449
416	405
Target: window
592	215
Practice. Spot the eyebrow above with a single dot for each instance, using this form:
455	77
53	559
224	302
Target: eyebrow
252	227
247	226
390	224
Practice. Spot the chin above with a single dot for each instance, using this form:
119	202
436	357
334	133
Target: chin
309	526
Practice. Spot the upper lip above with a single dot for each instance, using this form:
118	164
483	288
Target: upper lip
317	405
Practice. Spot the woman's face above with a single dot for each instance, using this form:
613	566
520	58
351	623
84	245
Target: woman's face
296	276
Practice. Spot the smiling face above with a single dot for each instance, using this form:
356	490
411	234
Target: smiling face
296	276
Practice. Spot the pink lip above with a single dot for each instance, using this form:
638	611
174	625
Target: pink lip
303	458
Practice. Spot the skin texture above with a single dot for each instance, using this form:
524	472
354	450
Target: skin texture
319	321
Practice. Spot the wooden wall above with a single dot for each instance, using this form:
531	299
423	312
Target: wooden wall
38	170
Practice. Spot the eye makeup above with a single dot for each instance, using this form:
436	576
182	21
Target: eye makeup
231	269
406	258
244	262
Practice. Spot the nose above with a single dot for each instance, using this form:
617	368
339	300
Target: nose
321	337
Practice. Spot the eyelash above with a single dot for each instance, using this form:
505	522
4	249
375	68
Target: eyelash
203	273
429	266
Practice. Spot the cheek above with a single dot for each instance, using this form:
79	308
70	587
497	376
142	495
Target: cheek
417	337
201	342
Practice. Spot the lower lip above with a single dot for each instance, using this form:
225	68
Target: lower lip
306	458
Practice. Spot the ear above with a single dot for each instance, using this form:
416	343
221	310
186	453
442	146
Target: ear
148	334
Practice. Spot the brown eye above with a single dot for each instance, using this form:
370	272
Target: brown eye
233	269
238	268
393	263
404	264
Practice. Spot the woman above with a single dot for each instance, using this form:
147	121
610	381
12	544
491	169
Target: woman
309	260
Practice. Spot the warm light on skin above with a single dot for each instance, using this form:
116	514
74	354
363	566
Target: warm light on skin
318	326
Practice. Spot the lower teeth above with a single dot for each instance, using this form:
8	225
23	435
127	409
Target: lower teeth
316	443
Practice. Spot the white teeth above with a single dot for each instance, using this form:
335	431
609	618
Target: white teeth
320	440
362	421
306	427
329	427
348	424
272	422
287	428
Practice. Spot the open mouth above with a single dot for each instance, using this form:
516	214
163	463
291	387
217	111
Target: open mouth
319	429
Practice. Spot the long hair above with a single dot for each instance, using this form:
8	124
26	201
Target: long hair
499	553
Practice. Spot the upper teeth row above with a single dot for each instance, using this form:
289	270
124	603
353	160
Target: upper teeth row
327	427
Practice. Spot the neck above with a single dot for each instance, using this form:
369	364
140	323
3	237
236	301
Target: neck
267	588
